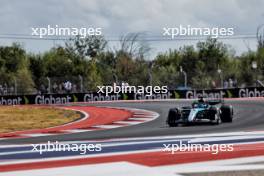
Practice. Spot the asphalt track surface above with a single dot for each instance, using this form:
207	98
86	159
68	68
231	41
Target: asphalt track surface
249	116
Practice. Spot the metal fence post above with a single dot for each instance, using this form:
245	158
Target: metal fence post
185	77
49	86
15	81
81	82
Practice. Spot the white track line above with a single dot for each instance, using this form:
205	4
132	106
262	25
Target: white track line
139	118
38	134
76	130
127	122
107	126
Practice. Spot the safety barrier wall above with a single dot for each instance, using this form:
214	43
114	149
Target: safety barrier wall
172	94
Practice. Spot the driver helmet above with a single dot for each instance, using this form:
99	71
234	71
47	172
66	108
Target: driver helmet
201	99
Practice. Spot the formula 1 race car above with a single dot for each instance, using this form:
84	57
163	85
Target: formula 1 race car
213	112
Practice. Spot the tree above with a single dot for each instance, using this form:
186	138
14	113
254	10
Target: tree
260	36
213	53
106	64
14	69
12	58
93	78
166	69
25	82
87	47
133	45
130	59
58	63
37	68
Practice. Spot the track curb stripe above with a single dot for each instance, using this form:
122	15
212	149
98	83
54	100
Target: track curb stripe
95	118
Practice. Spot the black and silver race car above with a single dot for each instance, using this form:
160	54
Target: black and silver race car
213	112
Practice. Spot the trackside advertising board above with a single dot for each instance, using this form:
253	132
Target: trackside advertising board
171	94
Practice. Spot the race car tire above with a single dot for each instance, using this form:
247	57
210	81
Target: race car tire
218	120
174	114
212	113
226	113
215	116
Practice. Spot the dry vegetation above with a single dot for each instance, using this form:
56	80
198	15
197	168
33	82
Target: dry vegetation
15	118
